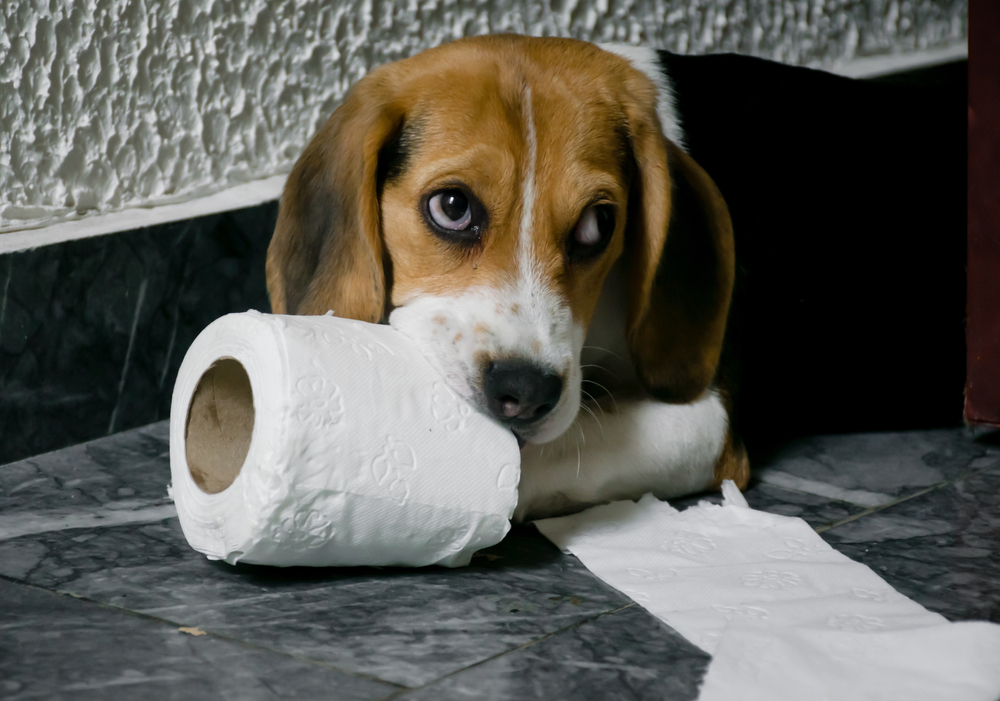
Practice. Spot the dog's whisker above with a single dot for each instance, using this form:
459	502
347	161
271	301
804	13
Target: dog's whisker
599	367
595	382
590	411
613	400
578	461
603	349
596	403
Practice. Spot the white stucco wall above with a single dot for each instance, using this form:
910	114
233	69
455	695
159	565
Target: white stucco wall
114	104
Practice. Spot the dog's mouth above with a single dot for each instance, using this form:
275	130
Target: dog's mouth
521	442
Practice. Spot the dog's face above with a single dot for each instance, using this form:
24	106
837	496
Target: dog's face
502	218
477	195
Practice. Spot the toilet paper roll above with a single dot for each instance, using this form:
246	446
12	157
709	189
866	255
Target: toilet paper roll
324	441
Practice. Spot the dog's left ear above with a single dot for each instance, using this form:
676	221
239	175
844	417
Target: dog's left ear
682	259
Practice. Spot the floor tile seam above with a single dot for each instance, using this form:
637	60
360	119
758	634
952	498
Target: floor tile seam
402	692
45	521
809	494
831	524
830	493
218	636
901	500
856	504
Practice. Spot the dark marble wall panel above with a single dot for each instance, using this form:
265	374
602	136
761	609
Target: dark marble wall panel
92	332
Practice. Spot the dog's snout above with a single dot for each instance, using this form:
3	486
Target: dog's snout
520	391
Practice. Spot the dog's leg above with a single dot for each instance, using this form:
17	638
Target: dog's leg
628	446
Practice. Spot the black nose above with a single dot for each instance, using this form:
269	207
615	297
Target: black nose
520	391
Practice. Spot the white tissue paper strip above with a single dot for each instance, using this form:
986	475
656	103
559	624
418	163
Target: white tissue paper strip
784	615
360	454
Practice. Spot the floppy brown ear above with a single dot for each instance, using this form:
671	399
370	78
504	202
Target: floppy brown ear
682	269
326	252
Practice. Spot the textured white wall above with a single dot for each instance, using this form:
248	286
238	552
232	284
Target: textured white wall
109	104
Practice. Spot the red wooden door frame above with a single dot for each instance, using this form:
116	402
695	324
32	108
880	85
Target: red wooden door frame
982	388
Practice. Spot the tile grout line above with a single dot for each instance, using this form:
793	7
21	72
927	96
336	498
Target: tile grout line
20	524
793	483
810	494
543	638
218	636
875	509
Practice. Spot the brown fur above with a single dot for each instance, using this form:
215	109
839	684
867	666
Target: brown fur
681	303
733	464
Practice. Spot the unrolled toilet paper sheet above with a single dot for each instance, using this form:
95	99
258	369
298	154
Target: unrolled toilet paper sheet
784	615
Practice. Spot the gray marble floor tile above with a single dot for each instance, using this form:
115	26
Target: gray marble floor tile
125	469
940	548
119	479
813	509
625	655
58	647
496	619
874	469
408	626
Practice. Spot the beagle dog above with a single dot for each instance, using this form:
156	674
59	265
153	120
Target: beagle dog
535	215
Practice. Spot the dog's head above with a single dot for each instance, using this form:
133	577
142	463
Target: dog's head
476	196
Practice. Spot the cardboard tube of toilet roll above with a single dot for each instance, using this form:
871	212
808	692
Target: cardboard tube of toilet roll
323	441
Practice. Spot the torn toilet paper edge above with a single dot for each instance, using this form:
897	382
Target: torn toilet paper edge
785	615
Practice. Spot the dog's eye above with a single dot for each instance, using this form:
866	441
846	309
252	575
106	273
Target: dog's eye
592	232
450	209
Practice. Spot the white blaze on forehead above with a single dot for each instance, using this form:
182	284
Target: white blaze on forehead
542	315
528	275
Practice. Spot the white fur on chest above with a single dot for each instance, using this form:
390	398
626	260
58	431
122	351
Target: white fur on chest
628	447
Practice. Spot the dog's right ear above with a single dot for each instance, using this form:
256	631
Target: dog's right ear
682	263
327	252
